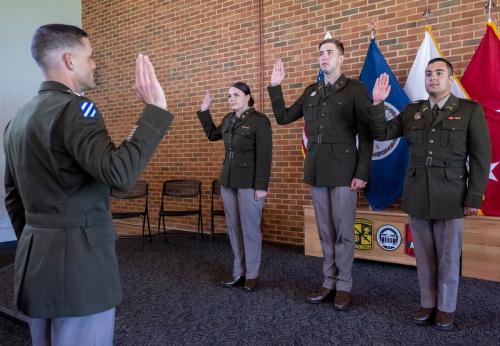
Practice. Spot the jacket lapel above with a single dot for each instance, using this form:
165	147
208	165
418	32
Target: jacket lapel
339	84
426	112
243	119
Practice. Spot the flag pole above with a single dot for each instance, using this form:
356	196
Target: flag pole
489	6
428	15
373	28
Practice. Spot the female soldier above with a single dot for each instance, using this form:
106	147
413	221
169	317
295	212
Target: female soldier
244	178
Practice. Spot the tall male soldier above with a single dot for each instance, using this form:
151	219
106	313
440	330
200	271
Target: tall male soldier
60	165
440	188
335	111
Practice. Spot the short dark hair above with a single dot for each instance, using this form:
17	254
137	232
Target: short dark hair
54	36
448	64
246	90
337	43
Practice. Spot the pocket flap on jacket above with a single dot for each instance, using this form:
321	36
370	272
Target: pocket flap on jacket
100	235
244	163
453	173
343	148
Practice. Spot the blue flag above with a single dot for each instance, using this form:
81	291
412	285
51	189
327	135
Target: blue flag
390	158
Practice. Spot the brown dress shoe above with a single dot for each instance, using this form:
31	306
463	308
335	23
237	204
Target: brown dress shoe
342	300
424	315
444	320
250	285
320	295
234	282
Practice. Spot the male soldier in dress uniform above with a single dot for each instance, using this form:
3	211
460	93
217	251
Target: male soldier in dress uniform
442	132
335	111
60	165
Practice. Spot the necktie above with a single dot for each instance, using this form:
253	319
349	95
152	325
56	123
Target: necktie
435	111
329	87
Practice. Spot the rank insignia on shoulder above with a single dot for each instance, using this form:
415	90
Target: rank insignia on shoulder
454	118
88	109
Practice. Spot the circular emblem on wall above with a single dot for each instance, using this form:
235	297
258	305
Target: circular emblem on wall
385	148
388	237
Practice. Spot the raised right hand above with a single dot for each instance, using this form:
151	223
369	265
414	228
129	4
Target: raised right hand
206	102
278	73
381	89
147	87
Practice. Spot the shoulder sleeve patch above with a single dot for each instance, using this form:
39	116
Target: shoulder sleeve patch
88	109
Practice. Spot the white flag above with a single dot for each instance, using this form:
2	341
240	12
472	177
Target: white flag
415	84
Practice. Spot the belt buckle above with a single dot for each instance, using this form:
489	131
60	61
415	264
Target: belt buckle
231	154
319	139
428	161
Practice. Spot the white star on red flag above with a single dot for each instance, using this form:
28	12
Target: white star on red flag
492	167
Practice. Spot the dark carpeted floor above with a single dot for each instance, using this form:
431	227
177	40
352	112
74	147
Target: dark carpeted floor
172	297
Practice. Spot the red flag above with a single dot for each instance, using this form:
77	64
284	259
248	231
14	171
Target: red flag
482	82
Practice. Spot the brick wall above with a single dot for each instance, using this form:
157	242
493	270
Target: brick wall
208	45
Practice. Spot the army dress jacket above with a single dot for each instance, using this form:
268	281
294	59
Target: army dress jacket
248	148
60	165
333	118
438	183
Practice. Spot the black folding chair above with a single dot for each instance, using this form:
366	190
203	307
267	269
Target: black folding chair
174	189
139	190
215	195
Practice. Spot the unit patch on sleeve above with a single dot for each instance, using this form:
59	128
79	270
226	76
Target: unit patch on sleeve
88	109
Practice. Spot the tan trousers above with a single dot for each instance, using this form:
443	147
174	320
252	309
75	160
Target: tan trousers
335	211
438	245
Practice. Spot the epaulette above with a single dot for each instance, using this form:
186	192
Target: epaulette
356	81
468	100
313	85
87	107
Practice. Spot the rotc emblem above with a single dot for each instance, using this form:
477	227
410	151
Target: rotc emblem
313	93
388	237
409	246
363	234
88	109
418	115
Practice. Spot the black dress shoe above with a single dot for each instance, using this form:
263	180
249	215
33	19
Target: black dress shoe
342	300
250	285
424	316
234	282
444	321
320	295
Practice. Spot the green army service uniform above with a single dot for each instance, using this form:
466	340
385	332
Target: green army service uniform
246	168
333	117
439	183
60	165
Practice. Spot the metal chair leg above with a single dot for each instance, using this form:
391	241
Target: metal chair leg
158	234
